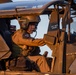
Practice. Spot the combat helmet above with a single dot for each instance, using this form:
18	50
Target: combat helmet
25	20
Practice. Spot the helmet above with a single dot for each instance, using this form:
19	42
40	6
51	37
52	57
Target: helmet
25	20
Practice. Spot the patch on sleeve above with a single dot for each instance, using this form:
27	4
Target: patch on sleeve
26	35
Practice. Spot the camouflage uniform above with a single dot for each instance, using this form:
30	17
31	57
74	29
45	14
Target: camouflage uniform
28	46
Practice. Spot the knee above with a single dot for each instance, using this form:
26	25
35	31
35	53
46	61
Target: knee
42	58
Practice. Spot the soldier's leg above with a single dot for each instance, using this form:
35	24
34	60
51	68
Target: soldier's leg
41	62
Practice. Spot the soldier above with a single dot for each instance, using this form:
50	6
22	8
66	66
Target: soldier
28	45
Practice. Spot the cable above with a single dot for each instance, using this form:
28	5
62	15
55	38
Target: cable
35	34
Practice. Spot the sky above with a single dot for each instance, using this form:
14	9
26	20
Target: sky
23	0
41	30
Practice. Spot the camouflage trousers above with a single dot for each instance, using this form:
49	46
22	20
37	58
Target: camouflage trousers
41	62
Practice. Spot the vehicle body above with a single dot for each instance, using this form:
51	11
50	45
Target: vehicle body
59	40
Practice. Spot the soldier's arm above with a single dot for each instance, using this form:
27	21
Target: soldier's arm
31	42
18	39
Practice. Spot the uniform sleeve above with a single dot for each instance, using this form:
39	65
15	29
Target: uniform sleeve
31	42
18	39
